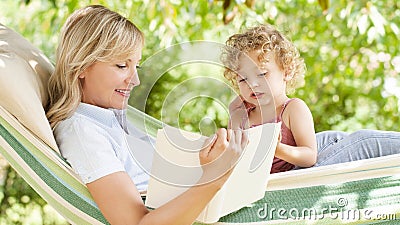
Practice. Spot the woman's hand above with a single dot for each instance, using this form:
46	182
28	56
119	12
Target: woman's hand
239	110
220	154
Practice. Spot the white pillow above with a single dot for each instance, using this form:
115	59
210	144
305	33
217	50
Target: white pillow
24	73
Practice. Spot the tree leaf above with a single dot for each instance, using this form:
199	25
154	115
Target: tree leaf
363	24
324	4
226	4
250	3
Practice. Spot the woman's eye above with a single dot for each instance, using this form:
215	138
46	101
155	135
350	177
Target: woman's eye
263	74
242	80
121	66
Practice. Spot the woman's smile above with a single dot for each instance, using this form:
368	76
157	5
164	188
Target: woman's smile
124	92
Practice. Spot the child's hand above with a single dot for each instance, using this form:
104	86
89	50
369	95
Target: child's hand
278	145
239	110
280	151
280	136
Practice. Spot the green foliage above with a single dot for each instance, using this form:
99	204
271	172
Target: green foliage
21	205
351	49
351	60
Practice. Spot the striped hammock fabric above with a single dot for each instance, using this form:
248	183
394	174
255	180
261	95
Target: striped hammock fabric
363	192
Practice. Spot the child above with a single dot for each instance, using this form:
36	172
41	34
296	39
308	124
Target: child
263	65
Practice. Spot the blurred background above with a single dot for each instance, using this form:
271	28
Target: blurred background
351	49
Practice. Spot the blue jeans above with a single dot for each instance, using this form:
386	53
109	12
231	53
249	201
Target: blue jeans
338	147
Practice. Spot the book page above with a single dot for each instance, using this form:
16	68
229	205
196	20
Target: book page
176	167
249	178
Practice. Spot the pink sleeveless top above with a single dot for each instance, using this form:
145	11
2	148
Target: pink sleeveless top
279	165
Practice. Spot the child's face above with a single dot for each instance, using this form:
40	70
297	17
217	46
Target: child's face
260	84
108	85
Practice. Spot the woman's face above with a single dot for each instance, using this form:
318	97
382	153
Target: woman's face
108	84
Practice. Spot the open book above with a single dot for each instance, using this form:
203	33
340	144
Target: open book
176	167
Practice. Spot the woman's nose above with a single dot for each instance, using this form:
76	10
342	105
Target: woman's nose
134	78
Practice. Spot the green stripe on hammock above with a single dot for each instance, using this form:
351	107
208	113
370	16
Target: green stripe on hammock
57	184
143	122
355	195
44	159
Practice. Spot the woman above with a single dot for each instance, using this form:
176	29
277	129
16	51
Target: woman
95	71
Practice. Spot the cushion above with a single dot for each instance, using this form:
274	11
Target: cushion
24	73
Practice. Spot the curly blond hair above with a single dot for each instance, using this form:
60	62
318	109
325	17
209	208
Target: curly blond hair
264	39
91	34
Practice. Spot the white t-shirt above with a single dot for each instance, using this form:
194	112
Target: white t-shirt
97	142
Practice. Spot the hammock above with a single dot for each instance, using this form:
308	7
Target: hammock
365	191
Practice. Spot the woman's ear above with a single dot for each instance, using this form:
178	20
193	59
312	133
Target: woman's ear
82	75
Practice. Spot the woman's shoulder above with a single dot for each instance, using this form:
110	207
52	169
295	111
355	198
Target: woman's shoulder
77	126
75	120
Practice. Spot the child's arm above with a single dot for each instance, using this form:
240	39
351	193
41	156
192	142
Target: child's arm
299	120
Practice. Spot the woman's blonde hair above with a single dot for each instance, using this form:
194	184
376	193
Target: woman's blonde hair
91	34
264	39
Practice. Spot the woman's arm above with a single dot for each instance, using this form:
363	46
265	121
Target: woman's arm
120	201
297	116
